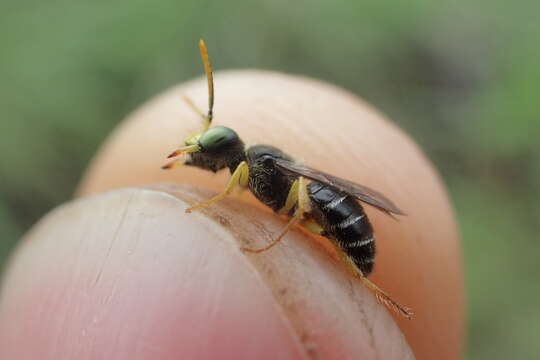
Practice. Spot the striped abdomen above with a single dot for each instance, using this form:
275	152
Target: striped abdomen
344	220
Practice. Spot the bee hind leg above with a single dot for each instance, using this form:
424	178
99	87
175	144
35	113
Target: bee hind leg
380	295
385	299
298	195
239	177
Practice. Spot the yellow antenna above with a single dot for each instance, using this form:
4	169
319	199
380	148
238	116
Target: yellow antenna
210	77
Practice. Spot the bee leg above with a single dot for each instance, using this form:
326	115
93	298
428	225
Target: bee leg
381	296
274	242
292	199
298	195
195	108
313	227
239	177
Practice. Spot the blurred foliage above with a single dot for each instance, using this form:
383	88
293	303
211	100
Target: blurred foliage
461	77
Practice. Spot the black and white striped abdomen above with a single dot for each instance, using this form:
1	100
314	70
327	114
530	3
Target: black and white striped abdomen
344	220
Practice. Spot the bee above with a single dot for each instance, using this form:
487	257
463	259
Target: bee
321	203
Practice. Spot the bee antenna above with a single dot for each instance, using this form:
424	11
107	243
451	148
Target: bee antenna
210	77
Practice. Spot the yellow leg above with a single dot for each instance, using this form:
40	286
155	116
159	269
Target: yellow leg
297	194
239	177
292	198
297	216
381	296
313	227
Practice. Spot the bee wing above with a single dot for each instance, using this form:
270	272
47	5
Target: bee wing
358	191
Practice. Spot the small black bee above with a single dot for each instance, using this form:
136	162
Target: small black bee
326	206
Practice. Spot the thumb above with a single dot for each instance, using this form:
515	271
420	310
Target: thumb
129	275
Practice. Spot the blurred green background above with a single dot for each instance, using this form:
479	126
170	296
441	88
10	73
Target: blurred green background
462	78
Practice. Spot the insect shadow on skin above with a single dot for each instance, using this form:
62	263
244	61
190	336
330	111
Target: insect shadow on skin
321	203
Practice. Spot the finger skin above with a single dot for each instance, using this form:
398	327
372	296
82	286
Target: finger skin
418	260
129	275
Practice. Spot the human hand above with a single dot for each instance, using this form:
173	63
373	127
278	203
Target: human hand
128	274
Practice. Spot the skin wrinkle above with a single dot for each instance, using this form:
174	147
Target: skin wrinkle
67	292
120	222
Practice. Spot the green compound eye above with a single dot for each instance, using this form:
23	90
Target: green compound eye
218	138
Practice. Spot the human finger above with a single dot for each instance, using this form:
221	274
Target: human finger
418	260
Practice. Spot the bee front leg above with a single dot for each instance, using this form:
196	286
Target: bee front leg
240	177
298	195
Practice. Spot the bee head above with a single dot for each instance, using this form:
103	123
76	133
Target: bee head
219	139
213	148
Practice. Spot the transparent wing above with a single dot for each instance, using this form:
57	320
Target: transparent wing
358	191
